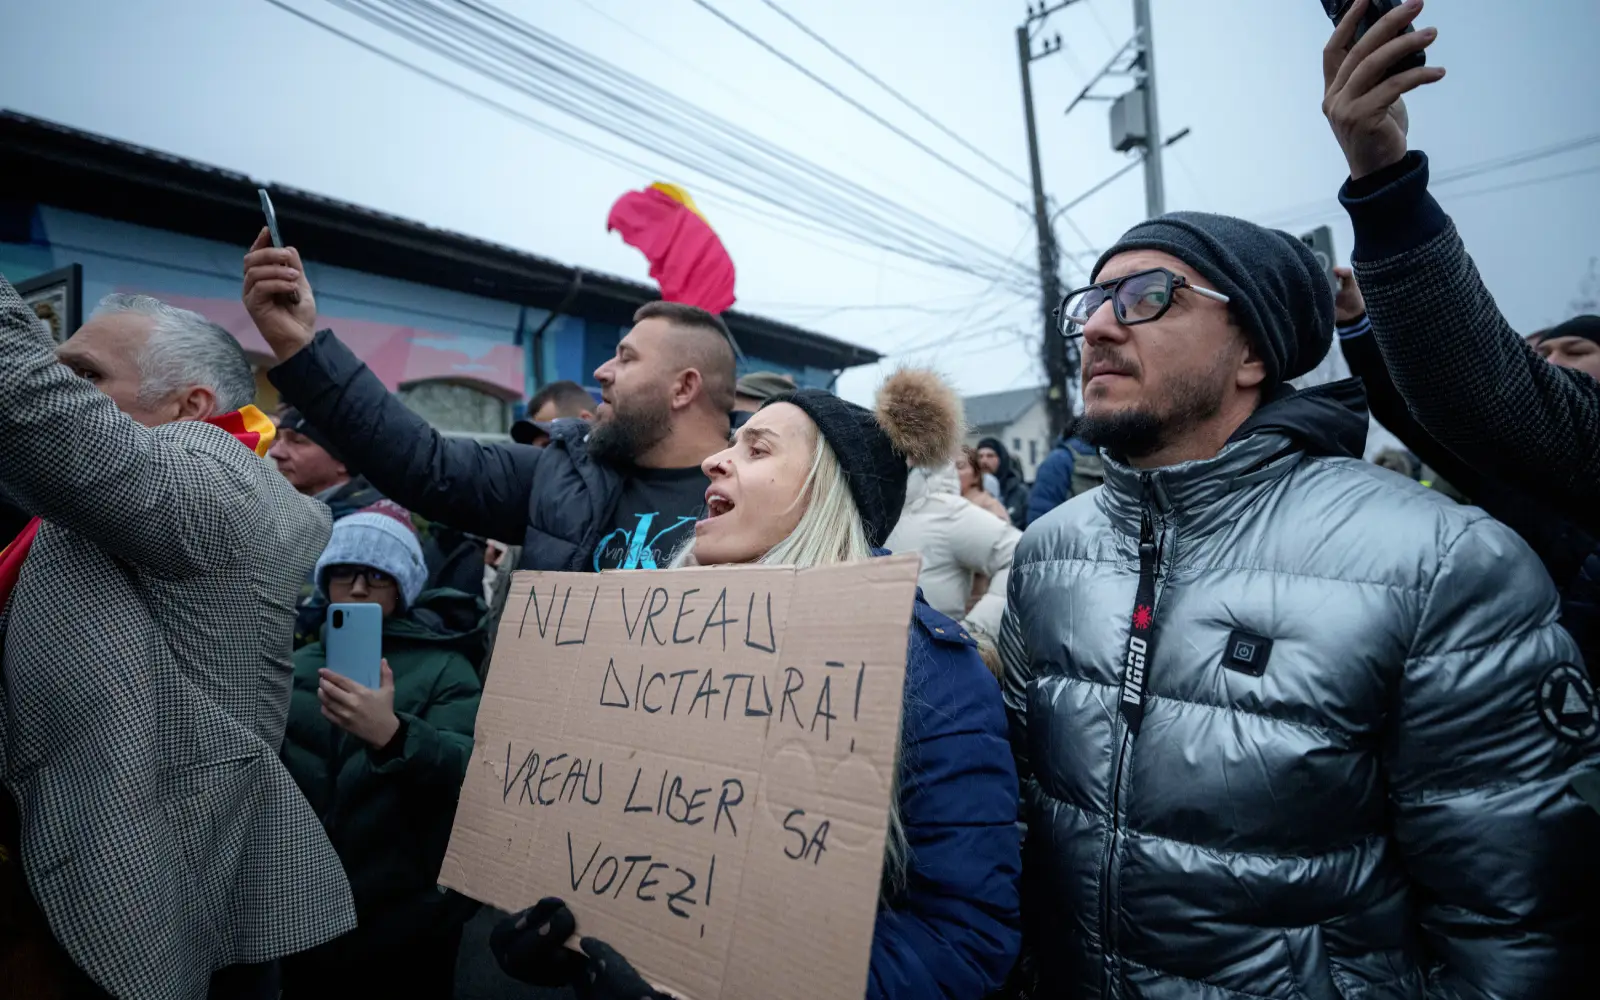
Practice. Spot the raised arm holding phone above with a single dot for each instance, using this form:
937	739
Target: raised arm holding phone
453	480
622	494
1469	379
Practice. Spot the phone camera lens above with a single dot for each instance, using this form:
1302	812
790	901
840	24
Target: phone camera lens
338	619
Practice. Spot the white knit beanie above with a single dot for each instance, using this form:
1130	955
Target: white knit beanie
379	536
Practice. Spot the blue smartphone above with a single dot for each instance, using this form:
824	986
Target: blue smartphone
354	642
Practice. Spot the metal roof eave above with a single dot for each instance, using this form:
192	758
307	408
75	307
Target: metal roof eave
77	170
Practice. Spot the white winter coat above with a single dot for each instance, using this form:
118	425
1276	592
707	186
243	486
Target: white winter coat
956	540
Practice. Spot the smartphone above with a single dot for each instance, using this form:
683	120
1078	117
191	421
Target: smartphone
1376	9
272	230
272	217
353	641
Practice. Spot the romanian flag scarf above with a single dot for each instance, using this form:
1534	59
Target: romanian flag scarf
253	429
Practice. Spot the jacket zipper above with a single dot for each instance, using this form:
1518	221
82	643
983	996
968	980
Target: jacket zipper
1126	724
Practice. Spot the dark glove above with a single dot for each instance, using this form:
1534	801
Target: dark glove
608	976
531	946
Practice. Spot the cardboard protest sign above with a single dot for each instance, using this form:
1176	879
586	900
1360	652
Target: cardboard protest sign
698	761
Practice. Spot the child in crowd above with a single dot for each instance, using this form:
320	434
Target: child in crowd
383	768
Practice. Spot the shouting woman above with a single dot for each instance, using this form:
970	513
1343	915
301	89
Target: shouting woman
812	480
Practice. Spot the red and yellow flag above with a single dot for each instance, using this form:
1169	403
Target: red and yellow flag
687	259
254	429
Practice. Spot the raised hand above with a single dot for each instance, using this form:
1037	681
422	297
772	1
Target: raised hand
1348	305
278	296
1362	103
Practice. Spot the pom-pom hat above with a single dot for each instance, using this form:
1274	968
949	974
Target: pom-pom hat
916	421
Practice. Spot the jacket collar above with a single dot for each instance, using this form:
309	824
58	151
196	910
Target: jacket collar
1199	496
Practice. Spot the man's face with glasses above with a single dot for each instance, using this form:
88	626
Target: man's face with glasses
1161	356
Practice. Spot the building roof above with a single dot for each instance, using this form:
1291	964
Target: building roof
56	165
995	410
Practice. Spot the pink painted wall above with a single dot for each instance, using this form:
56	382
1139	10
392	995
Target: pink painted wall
396	354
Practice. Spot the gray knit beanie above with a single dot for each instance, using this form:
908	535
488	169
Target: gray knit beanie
1277	291
379	536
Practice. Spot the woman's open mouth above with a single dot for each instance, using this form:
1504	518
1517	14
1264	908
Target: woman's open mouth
717	504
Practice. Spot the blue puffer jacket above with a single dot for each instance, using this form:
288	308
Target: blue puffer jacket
956	928
1052	486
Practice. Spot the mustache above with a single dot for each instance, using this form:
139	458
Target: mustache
1102	355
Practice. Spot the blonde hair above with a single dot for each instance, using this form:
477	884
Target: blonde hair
828	533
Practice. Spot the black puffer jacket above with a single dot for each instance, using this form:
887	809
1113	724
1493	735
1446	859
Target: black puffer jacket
553	499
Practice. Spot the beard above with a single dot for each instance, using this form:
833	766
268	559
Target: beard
1141	431
632	429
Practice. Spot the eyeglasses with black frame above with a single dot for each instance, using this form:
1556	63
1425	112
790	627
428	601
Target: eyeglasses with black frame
376	579
1140	297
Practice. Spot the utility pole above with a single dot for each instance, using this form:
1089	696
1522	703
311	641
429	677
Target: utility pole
1058	366
1135	124
1155	193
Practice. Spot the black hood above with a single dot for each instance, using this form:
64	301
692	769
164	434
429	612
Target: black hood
1008	468
1328	419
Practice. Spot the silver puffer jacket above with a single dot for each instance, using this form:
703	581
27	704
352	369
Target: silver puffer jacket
1371	802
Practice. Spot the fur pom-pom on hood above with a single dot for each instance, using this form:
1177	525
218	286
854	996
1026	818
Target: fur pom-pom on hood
922	416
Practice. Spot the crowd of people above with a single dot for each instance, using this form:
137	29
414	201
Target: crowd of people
1215	709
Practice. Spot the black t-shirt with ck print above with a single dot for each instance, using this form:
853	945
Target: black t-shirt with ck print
655	515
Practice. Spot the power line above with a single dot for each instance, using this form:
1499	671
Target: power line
966	317
1194	179
541	126
1015	335
1087	242
897	130
1319	208
550	130
598	93
1093	12
1526	182
629	108
903	99
952	334
1085	196
743	95
1516	159
787	225
440	22
821	310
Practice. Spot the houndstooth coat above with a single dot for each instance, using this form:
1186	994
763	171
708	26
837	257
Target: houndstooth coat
146	684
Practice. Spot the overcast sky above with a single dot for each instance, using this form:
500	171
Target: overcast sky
243	84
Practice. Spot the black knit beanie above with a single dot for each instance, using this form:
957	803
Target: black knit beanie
1586	327
917	422
291	419
1277	291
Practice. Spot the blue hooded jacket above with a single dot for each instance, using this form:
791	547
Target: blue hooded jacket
956	929
1052	486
